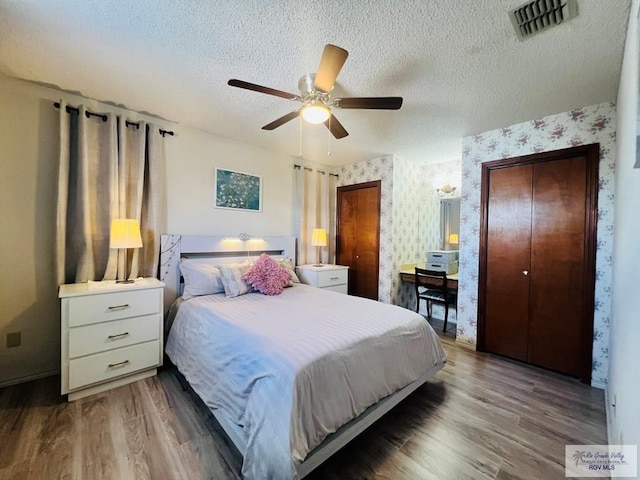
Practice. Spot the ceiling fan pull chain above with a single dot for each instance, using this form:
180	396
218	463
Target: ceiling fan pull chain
300	151
329	138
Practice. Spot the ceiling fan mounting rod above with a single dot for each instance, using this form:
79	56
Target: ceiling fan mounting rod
309	94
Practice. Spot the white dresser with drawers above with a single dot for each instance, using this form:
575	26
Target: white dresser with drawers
329	277
111	335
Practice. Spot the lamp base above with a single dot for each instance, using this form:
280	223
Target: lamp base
125	281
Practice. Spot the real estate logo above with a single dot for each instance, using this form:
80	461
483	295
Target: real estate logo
601	461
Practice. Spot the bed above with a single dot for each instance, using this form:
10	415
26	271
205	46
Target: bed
291	378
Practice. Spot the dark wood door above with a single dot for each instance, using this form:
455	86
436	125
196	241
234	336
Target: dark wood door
358	236
537	258
508	257
558	232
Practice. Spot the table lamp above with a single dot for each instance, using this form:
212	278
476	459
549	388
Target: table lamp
319	240
125	233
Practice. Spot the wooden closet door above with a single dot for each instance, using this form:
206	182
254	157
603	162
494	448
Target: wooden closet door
358	238
555	330
558	230
508	256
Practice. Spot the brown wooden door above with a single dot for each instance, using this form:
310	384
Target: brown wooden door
557	264
537	259
508	255
358	236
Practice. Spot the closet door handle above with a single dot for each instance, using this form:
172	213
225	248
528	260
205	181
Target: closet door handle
525	272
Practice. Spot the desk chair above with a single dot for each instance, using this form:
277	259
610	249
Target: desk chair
431	285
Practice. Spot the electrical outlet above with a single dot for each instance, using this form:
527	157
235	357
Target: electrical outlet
14	339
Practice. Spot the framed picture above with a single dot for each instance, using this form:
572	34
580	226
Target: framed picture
238	191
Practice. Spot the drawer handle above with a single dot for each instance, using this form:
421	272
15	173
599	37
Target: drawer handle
334	278
119	335
119	307
119	364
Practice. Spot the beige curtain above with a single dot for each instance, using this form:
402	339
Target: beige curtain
315	207
107	170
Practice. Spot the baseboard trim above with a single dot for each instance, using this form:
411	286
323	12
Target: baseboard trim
28	378
608	415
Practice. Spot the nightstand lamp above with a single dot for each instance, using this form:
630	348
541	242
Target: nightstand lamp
319	240
125	233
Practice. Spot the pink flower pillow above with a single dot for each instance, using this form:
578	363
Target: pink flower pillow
266	276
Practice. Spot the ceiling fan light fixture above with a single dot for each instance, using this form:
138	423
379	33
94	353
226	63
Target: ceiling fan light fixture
316	113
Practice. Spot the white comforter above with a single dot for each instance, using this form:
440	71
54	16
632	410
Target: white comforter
293	368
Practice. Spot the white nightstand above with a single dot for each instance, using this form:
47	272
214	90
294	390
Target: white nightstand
111	335
329	277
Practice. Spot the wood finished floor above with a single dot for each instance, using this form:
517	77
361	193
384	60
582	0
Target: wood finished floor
481	417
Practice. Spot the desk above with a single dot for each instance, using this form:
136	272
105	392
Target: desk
407	274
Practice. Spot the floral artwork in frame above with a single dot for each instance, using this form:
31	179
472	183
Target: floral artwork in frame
238	191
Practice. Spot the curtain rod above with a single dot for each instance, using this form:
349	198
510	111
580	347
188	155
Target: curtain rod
296	167
104	118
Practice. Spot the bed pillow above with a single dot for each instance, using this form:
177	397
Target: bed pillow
266	276
287	264
200	278
232	281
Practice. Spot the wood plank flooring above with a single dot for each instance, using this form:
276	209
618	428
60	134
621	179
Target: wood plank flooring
481	417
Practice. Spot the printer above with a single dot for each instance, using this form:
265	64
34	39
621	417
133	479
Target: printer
443	261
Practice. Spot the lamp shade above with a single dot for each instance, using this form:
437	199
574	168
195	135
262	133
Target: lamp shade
319	237
316	113
125	233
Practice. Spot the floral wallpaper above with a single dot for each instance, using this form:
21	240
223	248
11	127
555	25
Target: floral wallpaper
593	124
408	217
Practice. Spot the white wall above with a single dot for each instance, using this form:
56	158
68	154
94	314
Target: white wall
192	157
624	354
28	292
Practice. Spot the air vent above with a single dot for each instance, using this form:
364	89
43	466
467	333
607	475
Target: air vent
536	17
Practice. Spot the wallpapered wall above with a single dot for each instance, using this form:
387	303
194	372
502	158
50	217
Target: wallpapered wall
593	124
409	217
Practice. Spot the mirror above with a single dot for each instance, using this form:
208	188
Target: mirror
449	223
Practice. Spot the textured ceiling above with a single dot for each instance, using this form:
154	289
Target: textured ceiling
458	65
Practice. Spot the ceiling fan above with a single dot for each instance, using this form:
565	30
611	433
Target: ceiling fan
315	94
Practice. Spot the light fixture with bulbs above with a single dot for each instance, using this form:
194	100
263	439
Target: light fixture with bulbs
445	185
446	190
316	112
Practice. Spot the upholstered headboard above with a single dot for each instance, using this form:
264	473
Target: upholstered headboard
227	249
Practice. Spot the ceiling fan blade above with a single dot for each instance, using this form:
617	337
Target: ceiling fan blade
281	121
373	103
259	88
331	63
335	127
